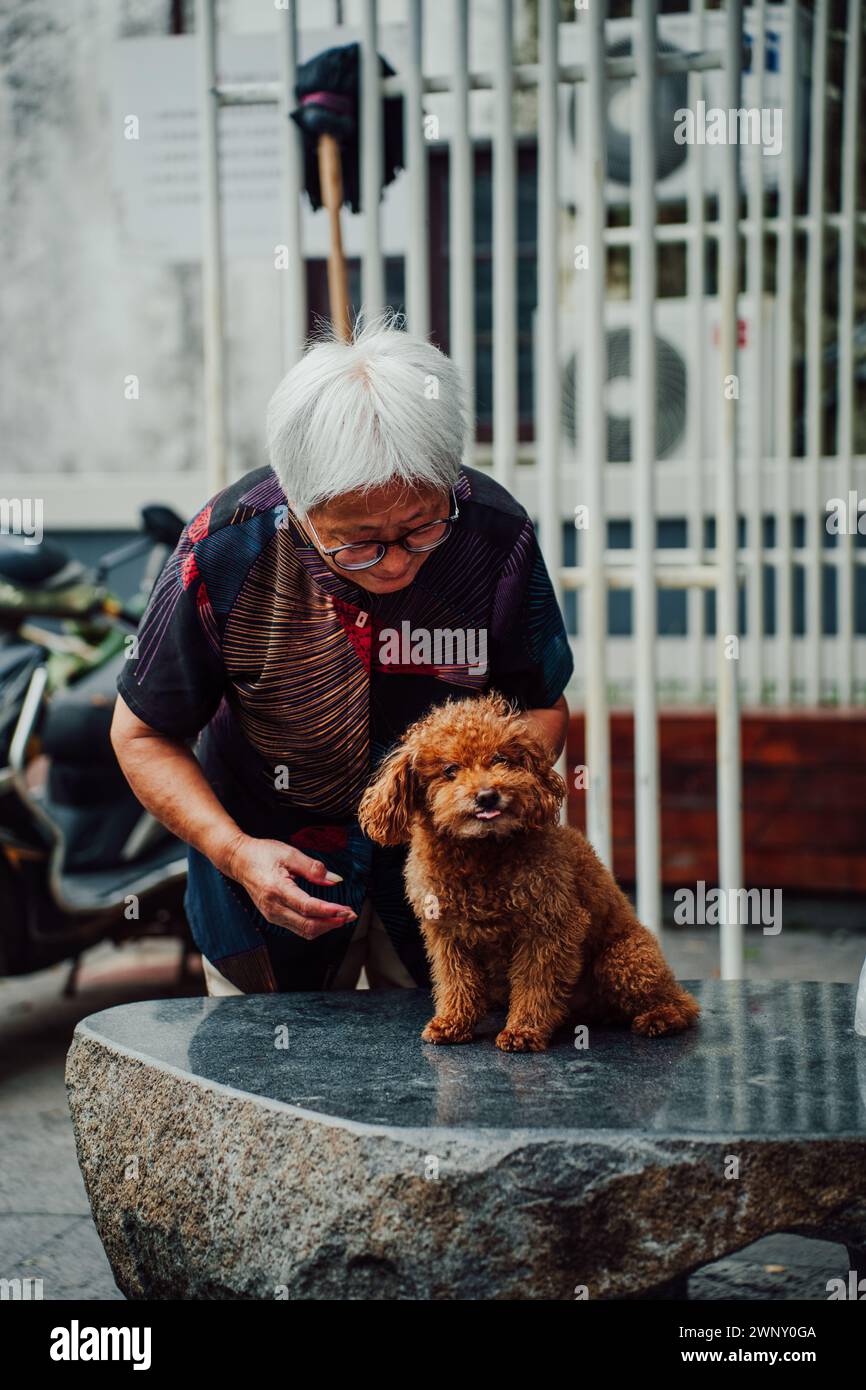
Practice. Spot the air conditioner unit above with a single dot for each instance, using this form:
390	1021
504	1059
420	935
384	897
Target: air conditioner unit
679	33
676	349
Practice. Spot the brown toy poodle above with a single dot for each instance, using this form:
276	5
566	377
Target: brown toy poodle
516	909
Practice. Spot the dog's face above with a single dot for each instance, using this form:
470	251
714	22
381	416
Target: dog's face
472	769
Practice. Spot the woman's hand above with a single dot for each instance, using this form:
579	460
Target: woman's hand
168	781
267	869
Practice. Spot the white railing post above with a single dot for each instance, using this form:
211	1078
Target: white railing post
504	254
293	280
213	310
784	395
372	161
815	515
845	421
695	262
728	771
461	231
418	246
755	387
547	363
590	333
646	755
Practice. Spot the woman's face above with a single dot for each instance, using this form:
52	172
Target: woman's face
381	514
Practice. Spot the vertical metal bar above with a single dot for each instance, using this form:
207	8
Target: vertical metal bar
845	419
546	423
547	364
213	311
504	254
590	334
729	782
461	231
646	714
785	293
418	248
372	161
815	519
293	282
755	282
695	402
547	361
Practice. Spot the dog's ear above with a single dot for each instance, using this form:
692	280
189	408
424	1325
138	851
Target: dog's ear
552	790
391	800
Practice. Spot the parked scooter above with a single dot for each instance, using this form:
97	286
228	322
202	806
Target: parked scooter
81	861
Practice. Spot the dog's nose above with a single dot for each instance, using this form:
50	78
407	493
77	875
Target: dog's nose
487	798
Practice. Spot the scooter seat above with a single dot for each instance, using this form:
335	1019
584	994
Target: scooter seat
77	721
107	888
34	566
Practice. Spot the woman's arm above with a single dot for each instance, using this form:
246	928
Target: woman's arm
552	725
168	781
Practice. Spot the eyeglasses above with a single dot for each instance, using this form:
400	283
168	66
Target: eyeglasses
362	555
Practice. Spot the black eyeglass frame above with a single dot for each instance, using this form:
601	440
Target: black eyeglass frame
384	546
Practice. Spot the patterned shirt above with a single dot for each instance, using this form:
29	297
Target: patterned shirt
299	681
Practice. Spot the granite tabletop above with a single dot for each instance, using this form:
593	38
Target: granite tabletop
769	1059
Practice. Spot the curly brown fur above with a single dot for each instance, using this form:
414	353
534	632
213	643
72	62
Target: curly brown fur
515	908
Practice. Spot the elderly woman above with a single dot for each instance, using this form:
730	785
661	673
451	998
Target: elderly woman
311	611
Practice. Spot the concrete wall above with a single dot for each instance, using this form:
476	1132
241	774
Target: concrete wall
79	311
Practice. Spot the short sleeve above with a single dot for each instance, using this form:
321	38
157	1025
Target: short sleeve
174	678
532	661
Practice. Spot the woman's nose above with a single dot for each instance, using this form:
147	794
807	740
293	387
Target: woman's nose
394	563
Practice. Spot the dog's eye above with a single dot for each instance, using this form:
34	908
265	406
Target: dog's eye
450	771
500	758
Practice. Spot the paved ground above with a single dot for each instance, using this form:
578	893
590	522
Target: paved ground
45	1225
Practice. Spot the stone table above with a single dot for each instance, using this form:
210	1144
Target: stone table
311	1146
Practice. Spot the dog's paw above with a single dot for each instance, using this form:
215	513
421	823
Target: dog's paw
664	1018
447	1030
521	1040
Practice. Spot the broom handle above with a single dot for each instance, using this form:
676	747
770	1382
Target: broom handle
331	184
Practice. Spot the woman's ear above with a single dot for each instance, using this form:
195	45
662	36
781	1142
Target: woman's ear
391	800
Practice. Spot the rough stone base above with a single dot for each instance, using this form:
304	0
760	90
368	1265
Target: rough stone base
202	1192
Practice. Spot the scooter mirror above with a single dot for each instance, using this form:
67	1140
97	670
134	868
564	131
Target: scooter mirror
161	524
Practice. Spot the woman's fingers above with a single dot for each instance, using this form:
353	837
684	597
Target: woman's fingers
312	869
267	871
305	924
307	927
289	906
301	902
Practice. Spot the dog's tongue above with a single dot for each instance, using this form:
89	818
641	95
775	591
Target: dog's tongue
485	815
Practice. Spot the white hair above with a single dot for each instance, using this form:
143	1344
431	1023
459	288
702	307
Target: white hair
385	407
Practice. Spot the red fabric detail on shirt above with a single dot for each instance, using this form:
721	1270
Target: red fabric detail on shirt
361	638
319	839
188	570
200	524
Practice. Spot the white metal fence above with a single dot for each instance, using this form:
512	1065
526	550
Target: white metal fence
749	496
